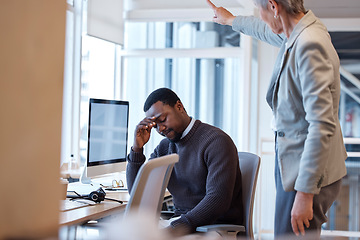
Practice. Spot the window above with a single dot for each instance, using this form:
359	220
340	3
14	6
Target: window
92	70
201	61
179	35
344	214
69	139
99	79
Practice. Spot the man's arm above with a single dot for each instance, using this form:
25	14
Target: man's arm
134	161
136	157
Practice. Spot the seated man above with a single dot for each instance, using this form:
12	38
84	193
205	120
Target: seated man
206	182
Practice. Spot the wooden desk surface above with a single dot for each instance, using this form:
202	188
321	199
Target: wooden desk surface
96	211
92	212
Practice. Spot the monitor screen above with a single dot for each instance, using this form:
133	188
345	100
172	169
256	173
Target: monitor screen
107	135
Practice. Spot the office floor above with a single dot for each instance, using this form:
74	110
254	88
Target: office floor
308	237
96	232
143	228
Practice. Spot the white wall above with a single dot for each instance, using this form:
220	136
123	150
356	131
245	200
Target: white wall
31	82
265	197
105	20
185	10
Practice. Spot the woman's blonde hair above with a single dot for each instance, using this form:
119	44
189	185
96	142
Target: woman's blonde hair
291	6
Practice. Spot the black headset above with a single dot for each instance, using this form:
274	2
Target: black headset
95	196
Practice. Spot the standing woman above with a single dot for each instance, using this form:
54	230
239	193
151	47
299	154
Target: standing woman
304	94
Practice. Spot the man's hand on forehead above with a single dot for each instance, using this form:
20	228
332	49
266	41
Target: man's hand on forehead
154	118
149	122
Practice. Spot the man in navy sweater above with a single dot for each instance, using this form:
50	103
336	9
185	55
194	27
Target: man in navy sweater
206	182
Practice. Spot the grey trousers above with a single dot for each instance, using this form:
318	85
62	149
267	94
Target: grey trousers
284	202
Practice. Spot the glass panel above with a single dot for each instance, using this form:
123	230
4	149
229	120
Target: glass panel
70	2
98	79
351	129
344	214
66	137
159	35
208	89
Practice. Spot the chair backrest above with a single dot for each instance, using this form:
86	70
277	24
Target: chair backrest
249	167
149	187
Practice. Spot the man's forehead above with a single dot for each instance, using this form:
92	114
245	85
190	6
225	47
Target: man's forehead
156	116
156	110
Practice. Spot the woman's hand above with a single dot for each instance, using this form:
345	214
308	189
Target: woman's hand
302	212
221	15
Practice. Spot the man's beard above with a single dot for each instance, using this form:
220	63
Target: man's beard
176	138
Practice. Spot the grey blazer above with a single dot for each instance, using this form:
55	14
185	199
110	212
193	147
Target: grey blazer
304	95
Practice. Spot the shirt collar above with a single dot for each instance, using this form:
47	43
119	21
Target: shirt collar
188	128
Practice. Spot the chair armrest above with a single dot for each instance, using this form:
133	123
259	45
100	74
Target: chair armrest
166	214
221	228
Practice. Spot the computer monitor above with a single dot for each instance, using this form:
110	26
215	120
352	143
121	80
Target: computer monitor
107	138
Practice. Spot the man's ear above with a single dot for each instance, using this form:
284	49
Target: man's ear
179	106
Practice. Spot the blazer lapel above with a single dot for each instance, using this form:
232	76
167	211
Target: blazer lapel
271	96
276	75
276	85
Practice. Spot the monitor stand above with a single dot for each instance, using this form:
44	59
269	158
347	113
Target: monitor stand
103	181
84	186
84	178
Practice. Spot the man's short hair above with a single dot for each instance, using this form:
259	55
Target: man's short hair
165	95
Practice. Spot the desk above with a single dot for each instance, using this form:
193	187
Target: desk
92	212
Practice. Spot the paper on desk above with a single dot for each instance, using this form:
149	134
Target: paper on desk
83	189
67	204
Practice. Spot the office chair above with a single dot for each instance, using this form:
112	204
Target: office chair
249	166
148	191
146	197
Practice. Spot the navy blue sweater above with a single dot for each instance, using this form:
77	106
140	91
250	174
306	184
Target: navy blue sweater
205	183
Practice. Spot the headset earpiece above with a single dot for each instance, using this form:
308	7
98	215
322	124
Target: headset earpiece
97	196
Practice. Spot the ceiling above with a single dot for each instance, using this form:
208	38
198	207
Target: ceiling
334	8
322	8
344	14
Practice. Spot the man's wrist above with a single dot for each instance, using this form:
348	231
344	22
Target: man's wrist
136	149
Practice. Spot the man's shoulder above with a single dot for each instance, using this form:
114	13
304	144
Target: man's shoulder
211	130
208	127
